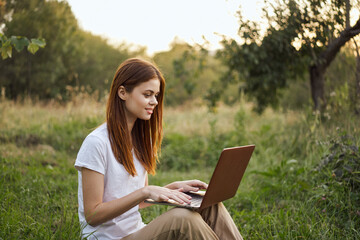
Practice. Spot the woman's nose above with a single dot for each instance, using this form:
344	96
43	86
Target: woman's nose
154	101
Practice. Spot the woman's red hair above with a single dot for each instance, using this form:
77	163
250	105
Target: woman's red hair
146	135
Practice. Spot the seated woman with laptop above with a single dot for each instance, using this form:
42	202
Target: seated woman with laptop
114	160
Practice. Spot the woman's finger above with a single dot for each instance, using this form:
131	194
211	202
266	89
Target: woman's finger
200	184
178	199
184	197
194	189
162	197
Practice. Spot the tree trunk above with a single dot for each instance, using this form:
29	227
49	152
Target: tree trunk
357	81
317	87
317	70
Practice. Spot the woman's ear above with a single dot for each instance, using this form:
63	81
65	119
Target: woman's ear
122	93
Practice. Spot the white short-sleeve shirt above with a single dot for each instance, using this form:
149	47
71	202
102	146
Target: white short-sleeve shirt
96	154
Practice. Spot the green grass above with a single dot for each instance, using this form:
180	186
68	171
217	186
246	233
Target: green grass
37	194
299	184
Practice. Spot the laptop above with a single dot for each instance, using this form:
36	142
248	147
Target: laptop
224	182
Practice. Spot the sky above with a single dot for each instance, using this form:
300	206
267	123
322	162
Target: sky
156	23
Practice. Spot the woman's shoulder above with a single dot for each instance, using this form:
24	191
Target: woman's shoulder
98	136
93	151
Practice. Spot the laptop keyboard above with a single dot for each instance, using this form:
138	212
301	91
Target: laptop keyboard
195	200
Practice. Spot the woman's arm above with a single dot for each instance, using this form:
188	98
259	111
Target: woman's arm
144	204
97	211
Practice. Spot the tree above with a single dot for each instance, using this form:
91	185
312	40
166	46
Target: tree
332	46
45	74
302	36
72	59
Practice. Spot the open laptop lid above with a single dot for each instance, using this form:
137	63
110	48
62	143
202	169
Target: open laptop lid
227	174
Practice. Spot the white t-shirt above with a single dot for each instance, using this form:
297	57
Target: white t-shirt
96	154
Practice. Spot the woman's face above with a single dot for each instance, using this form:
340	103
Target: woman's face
140	103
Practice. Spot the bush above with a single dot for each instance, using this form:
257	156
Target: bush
342	164
337	190
180	152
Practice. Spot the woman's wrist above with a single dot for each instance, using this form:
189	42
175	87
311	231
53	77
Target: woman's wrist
145	192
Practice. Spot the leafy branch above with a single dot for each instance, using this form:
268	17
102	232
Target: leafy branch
19	43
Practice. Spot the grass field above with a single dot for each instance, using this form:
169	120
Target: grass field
303	181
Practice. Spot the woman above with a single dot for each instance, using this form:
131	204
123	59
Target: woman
114	160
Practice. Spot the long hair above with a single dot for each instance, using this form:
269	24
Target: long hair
146	135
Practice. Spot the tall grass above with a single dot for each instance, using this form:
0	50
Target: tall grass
301	182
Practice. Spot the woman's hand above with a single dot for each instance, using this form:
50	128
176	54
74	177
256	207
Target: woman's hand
187	186
165	194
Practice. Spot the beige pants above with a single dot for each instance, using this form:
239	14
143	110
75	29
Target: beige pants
182	224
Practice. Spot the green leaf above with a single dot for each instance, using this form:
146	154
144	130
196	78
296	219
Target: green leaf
6	50
19	42
33	48
39	42
3	55
3	38
9	51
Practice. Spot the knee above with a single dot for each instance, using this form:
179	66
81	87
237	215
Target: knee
188	224
182	213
